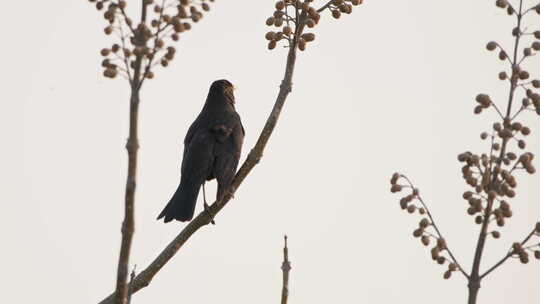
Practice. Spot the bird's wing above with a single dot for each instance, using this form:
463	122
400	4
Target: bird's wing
198	155
238	134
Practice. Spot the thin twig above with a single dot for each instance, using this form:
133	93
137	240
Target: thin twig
286	268
324	6
131	277
437	229
509	254
132	147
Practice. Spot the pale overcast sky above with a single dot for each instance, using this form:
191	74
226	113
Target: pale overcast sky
390	87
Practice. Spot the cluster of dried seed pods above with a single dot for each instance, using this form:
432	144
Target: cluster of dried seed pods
292	16
141	46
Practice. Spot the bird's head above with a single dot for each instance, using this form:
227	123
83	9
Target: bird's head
223	87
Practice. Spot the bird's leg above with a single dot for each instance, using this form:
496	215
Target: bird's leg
206	207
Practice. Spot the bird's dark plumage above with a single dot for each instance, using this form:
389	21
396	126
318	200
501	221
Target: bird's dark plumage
212	148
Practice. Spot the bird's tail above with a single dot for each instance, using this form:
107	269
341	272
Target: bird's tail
181	207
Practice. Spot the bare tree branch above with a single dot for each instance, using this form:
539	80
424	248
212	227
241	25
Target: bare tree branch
509	254
286	267
439	234
132	147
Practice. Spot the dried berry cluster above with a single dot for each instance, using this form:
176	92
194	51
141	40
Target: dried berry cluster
518	250
492	175
291	17
143	45
426	231
337	7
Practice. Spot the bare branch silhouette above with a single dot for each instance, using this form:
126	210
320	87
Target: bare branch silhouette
286	268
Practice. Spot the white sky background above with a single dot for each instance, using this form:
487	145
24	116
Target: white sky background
390	87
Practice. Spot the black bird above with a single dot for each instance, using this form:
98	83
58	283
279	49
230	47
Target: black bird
212	149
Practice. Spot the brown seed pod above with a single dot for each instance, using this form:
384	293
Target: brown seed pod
308	37
483	99
175	37
525	131
503	75
502	55
422	211
492	45
150	75
537	254
110	73
524	257
336	14
536	83
441	260
105	63
536	46
537	227
424	223
501	3
205	7
435	253
496	234
411	208
523	75
521	144
310	23
394	178
510	10
270	21
527	52
280	5
301	44
287	30
479	219
452	267
477	109
272	45
122	4
270	36
418	232
447	275
441	243
108	30
505	133
395	188
425	240
105	52
278	14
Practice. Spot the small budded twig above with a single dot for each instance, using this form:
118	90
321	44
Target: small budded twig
286	268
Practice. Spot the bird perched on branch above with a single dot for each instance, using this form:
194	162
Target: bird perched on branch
212	148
